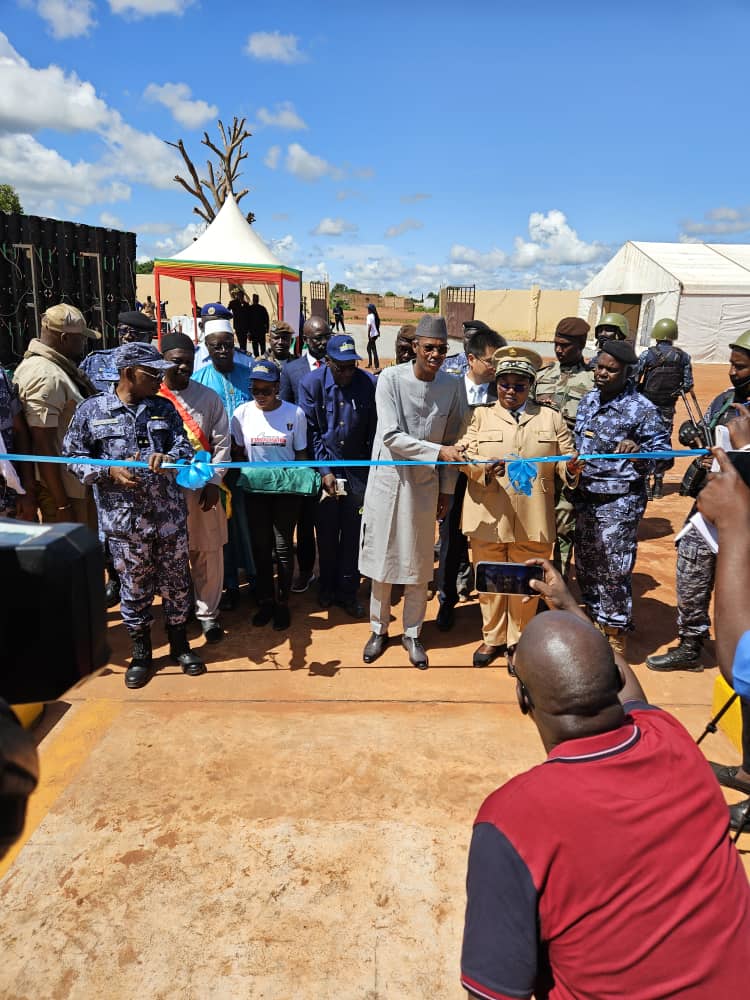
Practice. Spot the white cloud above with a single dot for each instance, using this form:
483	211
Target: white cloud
177	97
553	241
110	221
412	199
403	227
32	99
333	227
307	166
148	8
283	116
67	18
722	221
488	261
687	238
180	238
272	157
141	157
272	46
285	248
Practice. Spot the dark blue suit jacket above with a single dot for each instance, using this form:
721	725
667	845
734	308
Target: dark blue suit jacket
291	375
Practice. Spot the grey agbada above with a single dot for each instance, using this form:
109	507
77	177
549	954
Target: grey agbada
398	524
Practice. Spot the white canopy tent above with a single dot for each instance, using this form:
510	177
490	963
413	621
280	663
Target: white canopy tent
230	250
705	287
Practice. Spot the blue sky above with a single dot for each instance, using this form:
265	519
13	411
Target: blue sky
401	147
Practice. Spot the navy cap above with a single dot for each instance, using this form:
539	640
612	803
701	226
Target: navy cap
139	354
137	320
264	371
215	310
619	349
341	348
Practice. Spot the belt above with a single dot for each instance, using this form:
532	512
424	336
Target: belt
582	495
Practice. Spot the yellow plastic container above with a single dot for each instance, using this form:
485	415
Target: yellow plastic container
731	722
28	714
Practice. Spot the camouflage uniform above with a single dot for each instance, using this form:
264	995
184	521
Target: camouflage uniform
100	368
455	364
145	527
611	498
652	358
565	385
10	407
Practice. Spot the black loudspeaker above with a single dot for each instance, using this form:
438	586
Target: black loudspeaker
53	622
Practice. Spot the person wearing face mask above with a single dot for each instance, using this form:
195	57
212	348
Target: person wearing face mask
614	418
207	427
696	563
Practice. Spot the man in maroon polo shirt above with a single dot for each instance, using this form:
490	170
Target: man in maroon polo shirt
606	871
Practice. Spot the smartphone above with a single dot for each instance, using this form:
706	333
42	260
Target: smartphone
741	461
507	578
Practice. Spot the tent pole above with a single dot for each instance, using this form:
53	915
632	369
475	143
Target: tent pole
194	308
158	308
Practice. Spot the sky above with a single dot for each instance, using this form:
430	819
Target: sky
398	147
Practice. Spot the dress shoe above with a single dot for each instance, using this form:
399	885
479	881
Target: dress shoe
230	599
416	651
738	816
141	667
212	631
325	600
302	582
374	647
485	654
446	617
353	608
112	593
180	651
281	617
263	615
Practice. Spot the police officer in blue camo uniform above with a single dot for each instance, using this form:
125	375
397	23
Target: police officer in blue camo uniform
142	513
339	403
132	327
611	496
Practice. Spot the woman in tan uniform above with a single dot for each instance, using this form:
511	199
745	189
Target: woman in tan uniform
503	525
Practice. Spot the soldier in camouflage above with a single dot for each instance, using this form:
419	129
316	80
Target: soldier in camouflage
562	386
611	495
132	327
15	438
142	514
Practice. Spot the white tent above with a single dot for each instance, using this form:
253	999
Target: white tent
705	287
230	250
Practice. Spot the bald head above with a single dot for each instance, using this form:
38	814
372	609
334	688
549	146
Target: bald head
569	671
316	332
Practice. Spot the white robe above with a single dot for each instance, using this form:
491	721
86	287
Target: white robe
398	523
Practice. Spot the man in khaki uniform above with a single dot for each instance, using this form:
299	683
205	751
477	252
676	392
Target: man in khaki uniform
50	387
562	386
502	524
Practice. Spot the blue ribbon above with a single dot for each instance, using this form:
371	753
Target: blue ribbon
521	473
194	475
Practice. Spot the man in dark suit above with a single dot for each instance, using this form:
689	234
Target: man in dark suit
316	333
477	389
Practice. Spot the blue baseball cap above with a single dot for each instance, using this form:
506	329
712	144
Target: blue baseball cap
341	348
264	371
140	354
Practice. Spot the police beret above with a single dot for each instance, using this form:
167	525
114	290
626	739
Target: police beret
137	320
619	349
572	326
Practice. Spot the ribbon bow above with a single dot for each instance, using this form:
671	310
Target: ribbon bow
521	473
194	475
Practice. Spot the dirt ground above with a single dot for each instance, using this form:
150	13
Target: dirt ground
294	822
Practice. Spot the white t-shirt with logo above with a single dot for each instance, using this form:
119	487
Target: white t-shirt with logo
272	436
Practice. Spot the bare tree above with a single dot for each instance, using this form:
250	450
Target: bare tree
211	191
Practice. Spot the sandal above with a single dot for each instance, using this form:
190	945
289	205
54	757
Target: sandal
727	776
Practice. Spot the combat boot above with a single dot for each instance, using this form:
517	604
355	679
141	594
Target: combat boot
179	650
649	489
141	667
686	655
657	491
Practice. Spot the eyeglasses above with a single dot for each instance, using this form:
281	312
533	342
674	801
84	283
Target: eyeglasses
156	376
514	386
434	348
488	362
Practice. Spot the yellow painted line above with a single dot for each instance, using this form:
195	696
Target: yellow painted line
61	757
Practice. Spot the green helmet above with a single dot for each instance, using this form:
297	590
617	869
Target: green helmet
616	320
743	341
664	329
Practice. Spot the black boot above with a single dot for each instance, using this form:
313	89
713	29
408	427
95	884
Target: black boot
179	650
649	489
657	492
686	655
112	592
141	668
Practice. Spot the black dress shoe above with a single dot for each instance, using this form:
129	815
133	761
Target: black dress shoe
738	816
374	647
230	599
263	615
353	608
416	652
281	617
325	600
446	617
212	631
485	654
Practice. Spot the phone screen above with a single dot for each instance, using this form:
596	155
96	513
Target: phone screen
507	578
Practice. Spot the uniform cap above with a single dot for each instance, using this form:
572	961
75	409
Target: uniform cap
215	310
341	348
137	320
282	328
742	342
140	355
521	360
572	328
619	349
63	318
432	326
477	325
264	371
